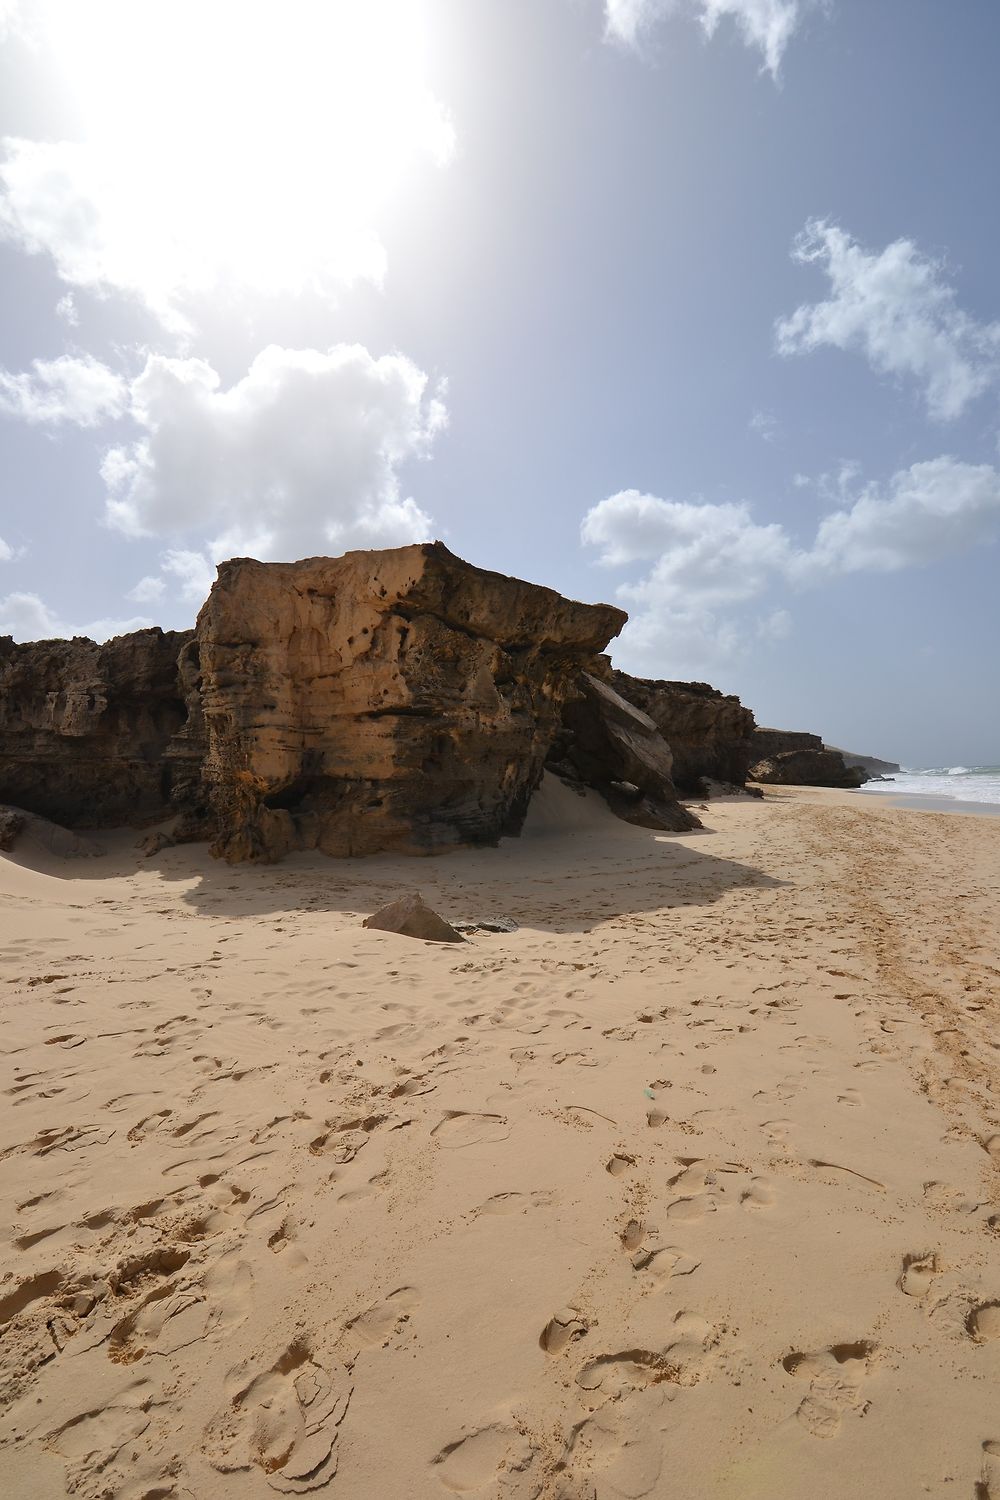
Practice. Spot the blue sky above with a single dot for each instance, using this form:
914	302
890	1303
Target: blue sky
686	304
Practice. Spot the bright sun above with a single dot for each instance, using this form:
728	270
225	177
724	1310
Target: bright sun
222	144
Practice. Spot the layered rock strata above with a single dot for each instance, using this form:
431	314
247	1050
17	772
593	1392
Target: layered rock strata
710	734
397	700
84	729
609	744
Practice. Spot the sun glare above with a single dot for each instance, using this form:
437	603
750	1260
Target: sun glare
237	142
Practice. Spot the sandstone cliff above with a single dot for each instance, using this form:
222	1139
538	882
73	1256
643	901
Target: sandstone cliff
382	700
84	728
709	733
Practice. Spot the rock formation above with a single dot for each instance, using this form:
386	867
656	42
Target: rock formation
382	700
709	733
609	744
768	742
808	767
84	728
27	833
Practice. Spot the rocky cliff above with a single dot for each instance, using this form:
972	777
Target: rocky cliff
84	728
768	742
607	743
381	700
709	733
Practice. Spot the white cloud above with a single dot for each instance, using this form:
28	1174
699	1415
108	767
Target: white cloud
767	25
302	455
28	618
764	424
895	308
73	388
709	554
713	565
217	154
66	309
925	512
195	572
6	551
148	590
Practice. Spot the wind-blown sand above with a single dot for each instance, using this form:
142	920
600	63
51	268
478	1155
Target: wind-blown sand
688	1188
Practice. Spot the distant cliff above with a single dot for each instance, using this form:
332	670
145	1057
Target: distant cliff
869	763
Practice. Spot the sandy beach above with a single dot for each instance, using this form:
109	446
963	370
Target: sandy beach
685	1188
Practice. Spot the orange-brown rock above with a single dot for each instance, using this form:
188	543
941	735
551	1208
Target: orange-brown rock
401	699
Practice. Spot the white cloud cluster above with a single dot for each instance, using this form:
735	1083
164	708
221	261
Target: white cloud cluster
767	25
76	389
713	565
6	551
302	455
896	308
28	618
704	554
216	153
927	511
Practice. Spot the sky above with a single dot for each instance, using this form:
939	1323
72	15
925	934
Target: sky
686	305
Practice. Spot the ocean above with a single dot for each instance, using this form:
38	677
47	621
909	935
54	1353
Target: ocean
949	783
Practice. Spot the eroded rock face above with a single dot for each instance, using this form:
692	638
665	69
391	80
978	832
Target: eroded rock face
84	728
808	768
400	699
709	733
609	744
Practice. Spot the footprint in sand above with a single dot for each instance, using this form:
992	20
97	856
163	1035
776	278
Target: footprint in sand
917	1274
562	1329
760	1194
988	1486
619	1163
623	1442
284	1420
478	1459
460	1128
680	1362
91	1441
983	1322
515	1203
835	1376
378	1323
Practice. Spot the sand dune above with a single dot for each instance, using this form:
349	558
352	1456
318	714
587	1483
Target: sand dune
687	1188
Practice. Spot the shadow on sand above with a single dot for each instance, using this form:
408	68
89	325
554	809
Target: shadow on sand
575	866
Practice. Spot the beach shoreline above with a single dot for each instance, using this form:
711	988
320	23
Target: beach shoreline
688	1185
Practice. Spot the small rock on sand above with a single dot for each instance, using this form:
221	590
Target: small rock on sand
410	916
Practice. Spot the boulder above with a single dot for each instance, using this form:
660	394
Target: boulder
609	744
808	768
410	916
84	728
709	733
396	700
12	822
26	832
